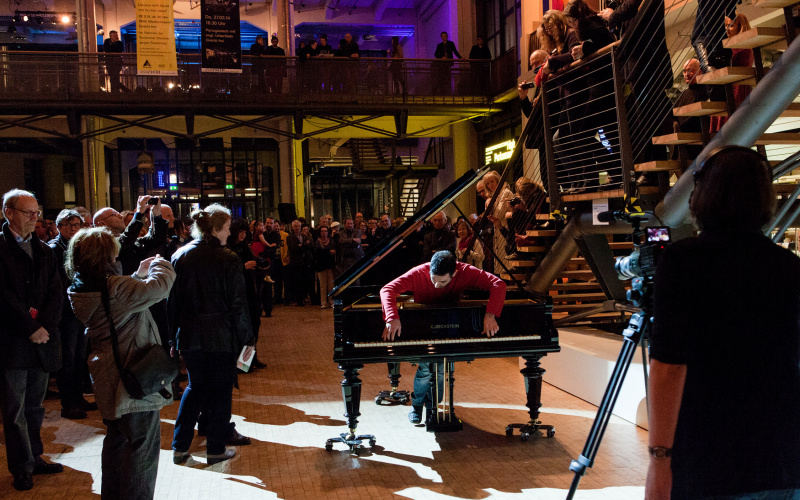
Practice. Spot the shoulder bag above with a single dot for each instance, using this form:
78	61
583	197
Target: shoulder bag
151	371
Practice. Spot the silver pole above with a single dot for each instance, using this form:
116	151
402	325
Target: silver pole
758	111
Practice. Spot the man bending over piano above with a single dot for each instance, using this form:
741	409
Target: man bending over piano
439	282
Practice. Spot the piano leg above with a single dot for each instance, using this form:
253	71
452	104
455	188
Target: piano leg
445	421
393	396
351	392
533	389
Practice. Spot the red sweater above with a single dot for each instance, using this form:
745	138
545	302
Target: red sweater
418	281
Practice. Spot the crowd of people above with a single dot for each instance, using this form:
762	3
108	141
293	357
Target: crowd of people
112	283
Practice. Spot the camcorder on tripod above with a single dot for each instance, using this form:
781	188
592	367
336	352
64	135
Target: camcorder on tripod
640	268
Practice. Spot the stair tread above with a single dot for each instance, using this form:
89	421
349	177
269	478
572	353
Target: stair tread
774	4
586	285
580	272
522	263
574	297
701	108
530	249
778	138
659	166
574	307
705	108
730	74
615	193
754	37
678	138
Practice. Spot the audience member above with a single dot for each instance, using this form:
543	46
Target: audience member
471	254
440	71
30	343
395	53
743	58
131	446
209	311
301	255
73	342
112	46
324	264
440	238
257	63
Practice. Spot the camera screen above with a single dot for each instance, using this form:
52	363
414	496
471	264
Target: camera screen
657	234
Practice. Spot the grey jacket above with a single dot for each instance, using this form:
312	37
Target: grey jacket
136	330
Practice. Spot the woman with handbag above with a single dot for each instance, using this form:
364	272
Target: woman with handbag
114	309
210	318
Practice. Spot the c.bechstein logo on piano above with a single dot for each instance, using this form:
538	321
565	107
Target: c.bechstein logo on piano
448	325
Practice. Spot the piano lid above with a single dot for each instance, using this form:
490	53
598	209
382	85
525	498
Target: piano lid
387	245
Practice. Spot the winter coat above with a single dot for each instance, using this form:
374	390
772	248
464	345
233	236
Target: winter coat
26	284
130	298
208	307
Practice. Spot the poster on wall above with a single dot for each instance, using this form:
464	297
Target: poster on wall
221	36
155	38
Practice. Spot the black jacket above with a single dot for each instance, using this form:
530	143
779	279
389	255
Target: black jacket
59	246
436	240
300	254
208	303
26	283
447	50
133	249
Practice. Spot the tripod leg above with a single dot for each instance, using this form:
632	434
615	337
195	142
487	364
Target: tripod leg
637	328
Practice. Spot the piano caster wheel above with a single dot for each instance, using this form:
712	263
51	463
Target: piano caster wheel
378	400
524	436
509	431
551	432
328	446
372	443
356	450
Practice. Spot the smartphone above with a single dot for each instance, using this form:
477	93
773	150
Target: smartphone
153	201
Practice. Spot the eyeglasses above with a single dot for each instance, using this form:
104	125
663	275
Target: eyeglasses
29	213
73	225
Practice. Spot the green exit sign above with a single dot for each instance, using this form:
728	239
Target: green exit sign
173	188
228	186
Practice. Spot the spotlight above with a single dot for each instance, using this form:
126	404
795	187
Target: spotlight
26	18
65	19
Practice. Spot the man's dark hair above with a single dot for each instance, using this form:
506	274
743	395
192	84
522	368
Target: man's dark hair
66	215
443	33
323	37
443	263
733	191
259	37
112	31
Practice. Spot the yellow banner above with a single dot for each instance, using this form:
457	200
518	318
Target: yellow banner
155	38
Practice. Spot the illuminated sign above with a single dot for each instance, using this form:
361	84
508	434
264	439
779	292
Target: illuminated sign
500	152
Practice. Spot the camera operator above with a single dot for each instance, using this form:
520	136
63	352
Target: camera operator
726	340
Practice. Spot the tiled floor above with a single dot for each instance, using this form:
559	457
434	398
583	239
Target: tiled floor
293	406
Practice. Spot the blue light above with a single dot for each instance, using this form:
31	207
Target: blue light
161	182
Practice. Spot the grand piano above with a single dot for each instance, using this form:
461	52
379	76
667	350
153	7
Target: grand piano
441	333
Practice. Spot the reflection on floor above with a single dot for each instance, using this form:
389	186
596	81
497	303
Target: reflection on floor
292	407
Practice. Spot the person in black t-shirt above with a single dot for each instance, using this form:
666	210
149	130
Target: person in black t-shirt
276	68
726	340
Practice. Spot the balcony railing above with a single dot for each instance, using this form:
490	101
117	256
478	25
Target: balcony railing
287	81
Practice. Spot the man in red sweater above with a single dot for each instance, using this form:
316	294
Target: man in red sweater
440	281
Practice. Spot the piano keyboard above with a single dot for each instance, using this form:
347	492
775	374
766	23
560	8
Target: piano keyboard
446	341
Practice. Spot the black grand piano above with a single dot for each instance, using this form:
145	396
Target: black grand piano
442	333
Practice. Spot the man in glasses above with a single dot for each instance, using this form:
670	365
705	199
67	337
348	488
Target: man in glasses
30	343
73	342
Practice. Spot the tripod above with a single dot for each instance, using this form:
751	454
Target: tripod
641	296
